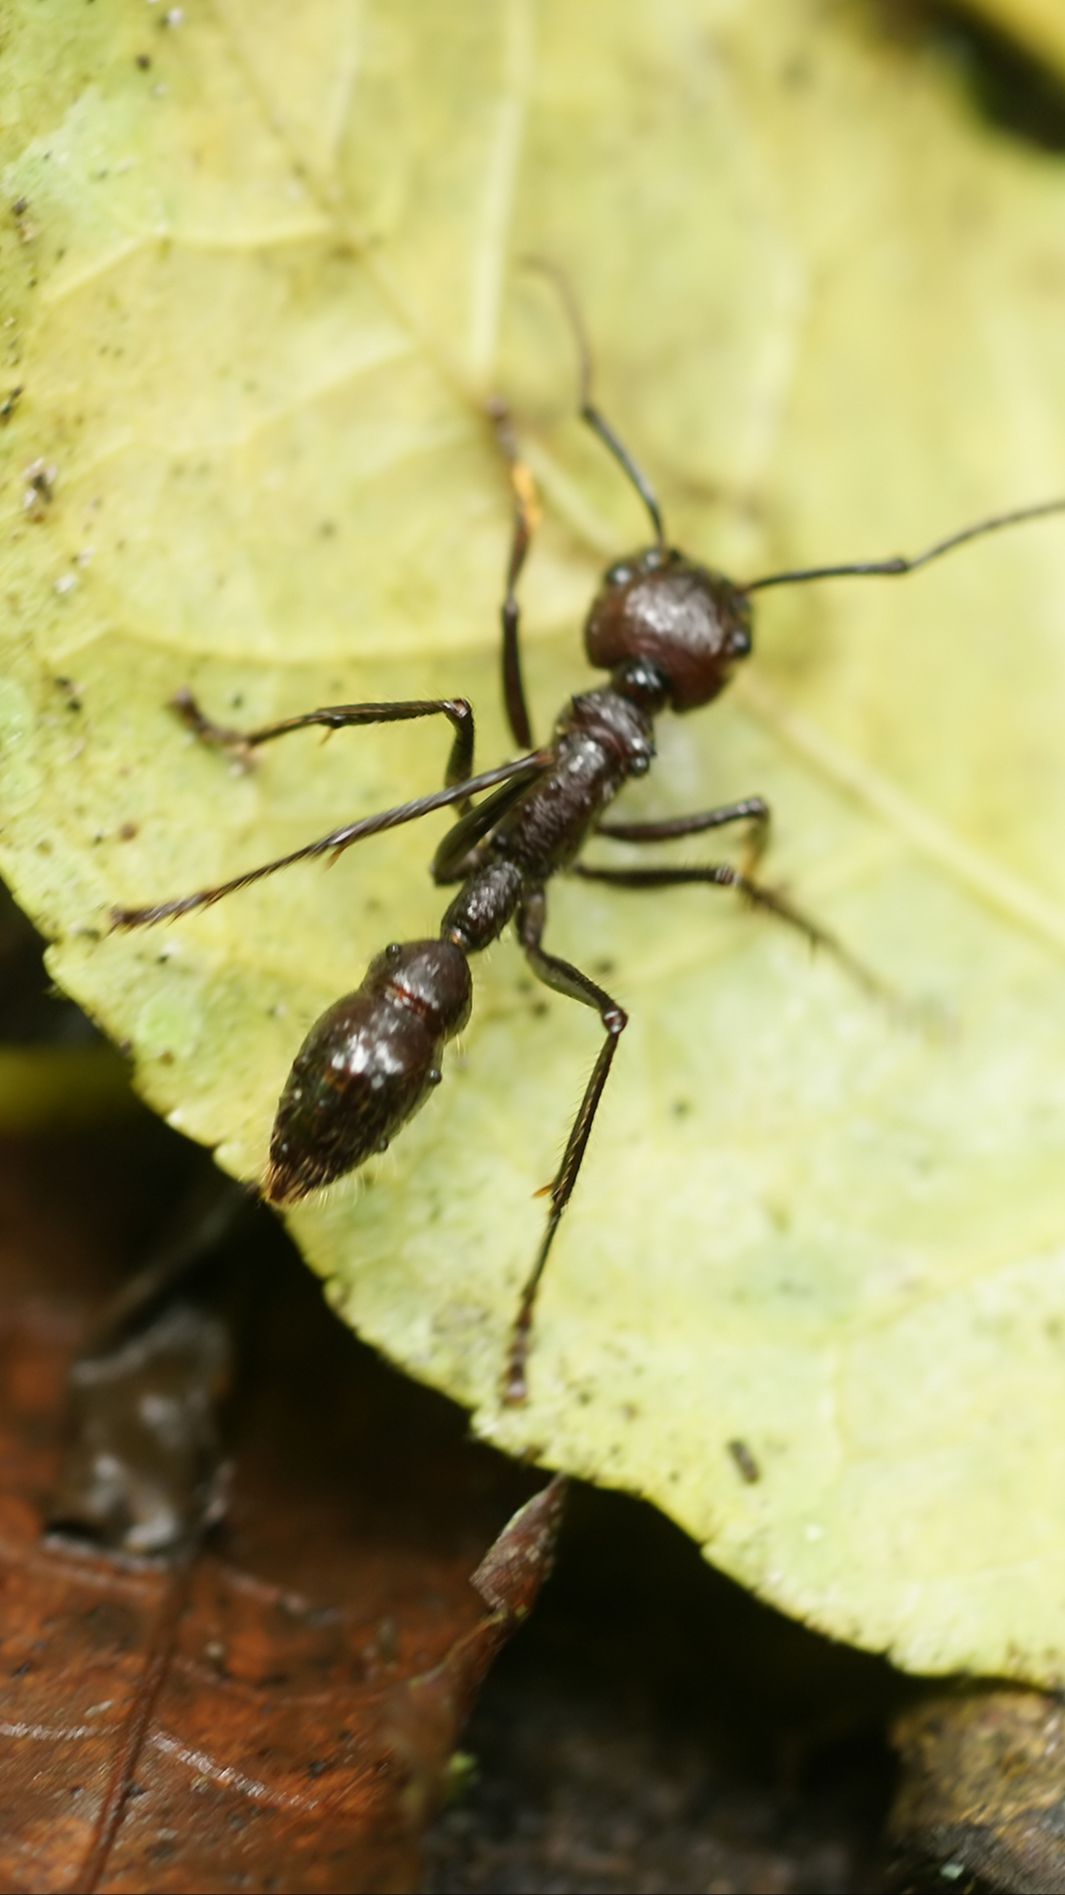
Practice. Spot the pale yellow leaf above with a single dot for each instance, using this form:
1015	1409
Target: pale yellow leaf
260	268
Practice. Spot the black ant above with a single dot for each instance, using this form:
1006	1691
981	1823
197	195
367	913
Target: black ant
669	632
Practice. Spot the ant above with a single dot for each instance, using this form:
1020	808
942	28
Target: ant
669	632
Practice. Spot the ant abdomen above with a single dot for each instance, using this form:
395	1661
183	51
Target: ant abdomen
366	1066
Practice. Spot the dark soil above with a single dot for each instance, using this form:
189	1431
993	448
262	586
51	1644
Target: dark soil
655	1730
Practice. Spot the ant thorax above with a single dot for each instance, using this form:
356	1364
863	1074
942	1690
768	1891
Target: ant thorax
620	725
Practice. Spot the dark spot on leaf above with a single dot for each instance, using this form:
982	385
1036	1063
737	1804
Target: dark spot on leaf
745	1462
39	488
797	73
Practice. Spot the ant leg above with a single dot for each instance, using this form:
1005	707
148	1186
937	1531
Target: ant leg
339	717
565	979
723	875
527	514
752	809
334	844
457	854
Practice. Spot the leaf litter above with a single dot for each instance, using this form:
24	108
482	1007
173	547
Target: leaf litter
274	1703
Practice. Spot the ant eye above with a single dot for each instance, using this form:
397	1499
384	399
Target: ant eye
619	574
740	642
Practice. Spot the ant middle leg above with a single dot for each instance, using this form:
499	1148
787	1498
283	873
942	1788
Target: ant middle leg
527	514
723	875
569	980
750	809
241	743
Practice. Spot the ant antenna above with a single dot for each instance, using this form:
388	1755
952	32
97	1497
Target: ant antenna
889	568
588	410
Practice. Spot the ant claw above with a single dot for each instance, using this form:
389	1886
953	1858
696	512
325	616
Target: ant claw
217	736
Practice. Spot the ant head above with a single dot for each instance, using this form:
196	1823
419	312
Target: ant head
690	624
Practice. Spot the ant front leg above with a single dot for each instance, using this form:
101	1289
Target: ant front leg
568	980
242	743
723	875
527	514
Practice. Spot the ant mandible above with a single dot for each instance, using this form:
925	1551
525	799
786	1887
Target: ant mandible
669	631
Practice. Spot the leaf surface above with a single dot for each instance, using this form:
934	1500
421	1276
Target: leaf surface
263	270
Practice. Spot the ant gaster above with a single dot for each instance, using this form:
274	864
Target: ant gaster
669	632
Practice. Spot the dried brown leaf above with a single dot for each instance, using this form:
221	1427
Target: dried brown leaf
277	1709
981	1802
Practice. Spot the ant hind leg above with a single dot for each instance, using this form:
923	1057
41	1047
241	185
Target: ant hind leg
334	844
723	875
569	980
